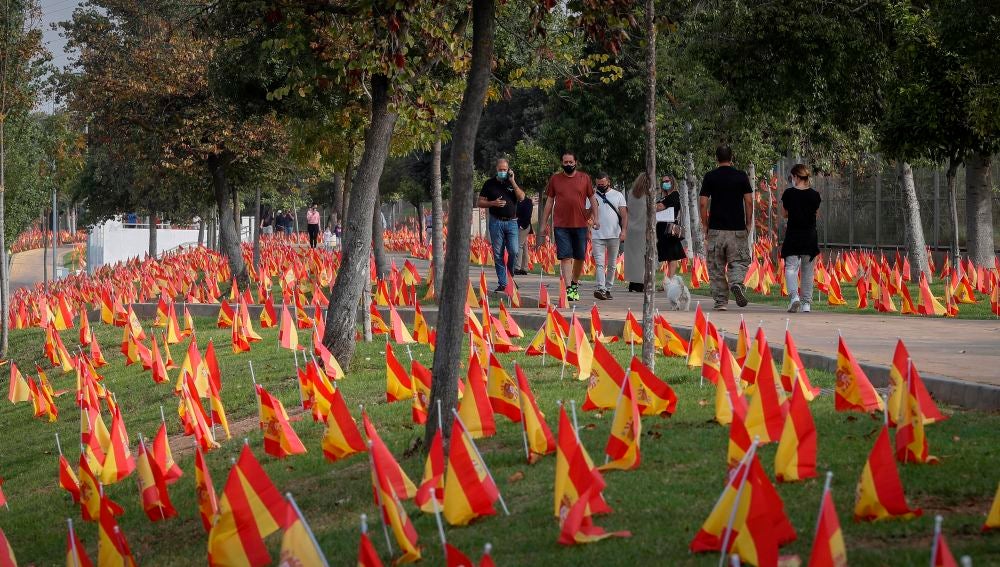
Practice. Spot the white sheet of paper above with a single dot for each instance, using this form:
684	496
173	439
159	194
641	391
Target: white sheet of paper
666	215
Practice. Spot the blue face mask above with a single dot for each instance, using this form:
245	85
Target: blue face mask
501	175
666	185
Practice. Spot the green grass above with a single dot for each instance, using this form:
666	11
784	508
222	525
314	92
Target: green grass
663	503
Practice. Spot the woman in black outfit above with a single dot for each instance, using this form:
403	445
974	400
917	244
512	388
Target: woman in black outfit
800	204
669	248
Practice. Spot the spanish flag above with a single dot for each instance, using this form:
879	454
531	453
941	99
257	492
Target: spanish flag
396	480
993	517
367	554
288	335
469	491
880	492
90	492
433	479
208	505
112	549
476	410
268	318
280	439
153	488
578	525
576	475
626	432
854	392
164	457
394	515
828	547
766	413
540	440
397	382
502	391
632	332
729	399
420	377
796	455
298	546
653	396
330	365
86	335
421	330
226	315
751	366
399	332
76	553
118	462
739	440
509	324
711	358
596	329
19	390
251	509
342	438
928	304
668	339
742	342
794	372
897	389
911	441
605	380
696	347
68	480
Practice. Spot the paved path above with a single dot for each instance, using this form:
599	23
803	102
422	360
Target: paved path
26	267
961	349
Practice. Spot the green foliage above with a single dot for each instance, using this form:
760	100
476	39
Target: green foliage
533	164
27	189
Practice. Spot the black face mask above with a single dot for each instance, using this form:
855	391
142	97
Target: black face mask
603	188
569	168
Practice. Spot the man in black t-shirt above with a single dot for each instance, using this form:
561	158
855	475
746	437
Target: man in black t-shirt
500	194
726	204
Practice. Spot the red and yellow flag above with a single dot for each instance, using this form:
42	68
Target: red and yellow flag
668	339
112	548
626	433
578	526
766	412
596	329
653	396
118	462
251	508
280	439
793	371
164	457
342	438
398	385
469	491
576	476
76	553
298	547
68	480
605	380
208	505
911	440
475	409
696	346
540	440
828	547
880	492
854	391
433	478
796	455
19	391
288	334
153	488
399	332
632	331
993	517
396	480
896	404
394	515
729	400
502	391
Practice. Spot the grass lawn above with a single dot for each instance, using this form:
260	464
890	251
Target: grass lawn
663	503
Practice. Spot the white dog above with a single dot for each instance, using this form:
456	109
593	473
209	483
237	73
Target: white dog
678	294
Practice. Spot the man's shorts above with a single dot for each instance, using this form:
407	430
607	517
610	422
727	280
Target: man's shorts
571	243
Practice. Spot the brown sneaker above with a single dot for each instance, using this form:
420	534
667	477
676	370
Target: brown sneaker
720	306
739	292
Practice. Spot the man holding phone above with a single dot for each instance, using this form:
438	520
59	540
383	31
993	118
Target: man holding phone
500	194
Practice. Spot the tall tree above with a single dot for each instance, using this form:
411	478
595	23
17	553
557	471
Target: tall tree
649	277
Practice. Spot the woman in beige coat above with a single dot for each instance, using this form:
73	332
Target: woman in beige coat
635	237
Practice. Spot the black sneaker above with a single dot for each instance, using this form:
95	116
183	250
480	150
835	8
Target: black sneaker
500	290
520	272
739	293
719	306
600	294
607	294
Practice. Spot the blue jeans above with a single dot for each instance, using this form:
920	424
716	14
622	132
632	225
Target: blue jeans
503	236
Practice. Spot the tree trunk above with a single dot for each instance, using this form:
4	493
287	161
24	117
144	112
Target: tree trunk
378	240
979	210
915	246
649	277
952	183
45	250
201	229
4	273
229	237
256	233
348	186
697	235
337	199
342	315
152	235
420	222
752	234
454	282
686	214
437	216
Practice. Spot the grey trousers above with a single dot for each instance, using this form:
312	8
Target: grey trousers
605	256
793	266
522	238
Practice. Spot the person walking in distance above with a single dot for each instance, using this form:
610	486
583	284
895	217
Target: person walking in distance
312	225
567	192
612	217
500	194
524	209
669	248
725	203
800	205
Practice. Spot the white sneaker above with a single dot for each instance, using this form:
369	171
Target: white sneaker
793	306
806	308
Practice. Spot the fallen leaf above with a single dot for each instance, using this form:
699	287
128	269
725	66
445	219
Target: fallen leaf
516	477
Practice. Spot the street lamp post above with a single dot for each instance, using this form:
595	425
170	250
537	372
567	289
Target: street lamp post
55	221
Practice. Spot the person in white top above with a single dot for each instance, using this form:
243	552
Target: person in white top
612	222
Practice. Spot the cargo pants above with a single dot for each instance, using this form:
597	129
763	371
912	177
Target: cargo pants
728	258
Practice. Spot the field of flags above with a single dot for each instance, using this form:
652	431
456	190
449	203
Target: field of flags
506	391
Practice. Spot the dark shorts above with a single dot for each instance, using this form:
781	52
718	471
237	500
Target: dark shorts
571	243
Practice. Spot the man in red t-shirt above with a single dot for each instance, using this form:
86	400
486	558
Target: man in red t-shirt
567	194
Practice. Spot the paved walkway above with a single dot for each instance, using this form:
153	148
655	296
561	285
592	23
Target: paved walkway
26	267
959	349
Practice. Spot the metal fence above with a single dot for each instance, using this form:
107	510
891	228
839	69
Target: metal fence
866	210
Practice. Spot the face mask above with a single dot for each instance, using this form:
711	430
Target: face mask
501	175
569	168
602	188
666	185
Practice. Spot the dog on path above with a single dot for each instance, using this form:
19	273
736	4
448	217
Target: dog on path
678	294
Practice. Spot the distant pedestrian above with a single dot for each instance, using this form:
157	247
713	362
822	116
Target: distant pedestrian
500	194
800	205
279	222
725	203
267	222
288	222
566	193
635	239
524	209
312	225
612	220
668	240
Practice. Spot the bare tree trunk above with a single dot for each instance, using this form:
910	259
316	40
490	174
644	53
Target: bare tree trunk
454	282
420	222
337	200
45	250
256	233
229	237
152	235
952	182
686	214
201	229
437	215
979	210
4	273
342	315
649	277
915	246
752	233
348	186
697	235
378	240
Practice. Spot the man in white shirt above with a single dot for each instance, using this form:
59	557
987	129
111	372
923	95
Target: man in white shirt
612	222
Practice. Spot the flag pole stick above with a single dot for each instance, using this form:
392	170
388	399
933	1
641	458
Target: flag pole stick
909	369
935	543
621	393
409	353
691	338
481	461
256	398
704	340
736	504
734	560
966	561
524	421
572	409
822	499
295	353
305	525
72	543
440	419
163	418
378	496
59	445
437	518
